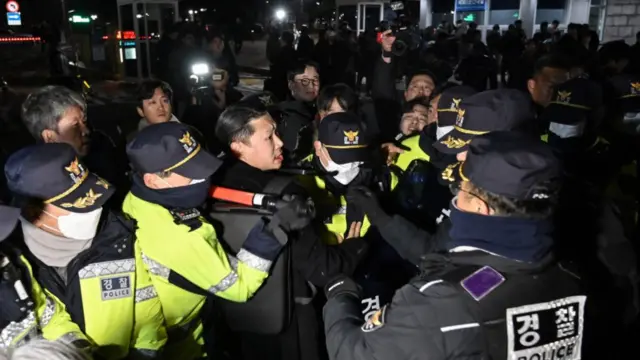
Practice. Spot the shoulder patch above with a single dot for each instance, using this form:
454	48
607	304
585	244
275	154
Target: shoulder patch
482	282
376	321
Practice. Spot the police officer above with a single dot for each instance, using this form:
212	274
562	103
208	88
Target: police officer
82	254
493	110
497	292
28	311
179	246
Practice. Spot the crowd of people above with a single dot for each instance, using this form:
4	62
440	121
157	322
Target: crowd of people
488	211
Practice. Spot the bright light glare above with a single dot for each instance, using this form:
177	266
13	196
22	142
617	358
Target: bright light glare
139	16
280	14
200	69
190	11
94	17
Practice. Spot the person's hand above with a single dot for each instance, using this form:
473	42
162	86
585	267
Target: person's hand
294	214
354	232
387	40
366	200
391	150
339	285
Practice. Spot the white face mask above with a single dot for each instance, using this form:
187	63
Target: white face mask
77	226
192	182
441	131
346	172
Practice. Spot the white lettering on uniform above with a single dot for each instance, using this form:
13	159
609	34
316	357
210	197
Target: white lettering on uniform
373	305
546	331
528	335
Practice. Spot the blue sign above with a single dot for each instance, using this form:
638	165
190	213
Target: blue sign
14	19
470	5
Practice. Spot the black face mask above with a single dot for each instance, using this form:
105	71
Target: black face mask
183	197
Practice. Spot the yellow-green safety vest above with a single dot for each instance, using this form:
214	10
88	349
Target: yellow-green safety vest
173	253
415	153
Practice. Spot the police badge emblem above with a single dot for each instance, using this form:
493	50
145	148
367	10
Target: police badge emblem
376	321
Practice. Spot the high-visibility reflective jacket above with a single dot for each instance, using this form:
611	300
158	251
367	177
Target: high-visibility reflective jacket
109	294
186	265
415	153
47	318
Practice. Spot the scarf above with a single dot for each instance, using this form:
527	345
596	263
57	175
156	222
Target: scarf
53	250
514	238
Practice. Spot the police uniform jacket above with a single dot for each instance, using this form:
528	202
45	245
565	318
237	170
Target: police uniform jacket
109	294
435	317
44	315
188	263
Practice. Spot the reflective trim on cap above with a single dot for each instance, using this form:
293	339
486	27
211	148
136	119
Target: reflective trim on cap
345	146
629	96
183	161
69	190
470	132
448	110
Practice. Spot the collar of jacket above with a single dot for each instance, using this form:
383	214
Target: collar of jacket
439	263
304	109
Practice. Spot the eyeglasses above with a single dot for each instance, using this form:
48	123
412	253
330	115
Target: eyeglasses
307	82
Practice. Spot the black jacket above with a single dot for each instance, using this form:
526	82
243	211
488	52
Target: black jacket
295	129
435	317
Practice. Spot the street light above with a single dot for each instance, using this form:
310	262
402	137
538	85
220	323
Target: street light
94	17
280	14
190	12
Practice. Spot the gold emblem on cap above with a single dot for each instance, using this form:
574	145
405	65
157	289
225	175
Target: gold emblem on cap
453	143
266	100
74	167
351	137
85	201
460	117
455	104
635	88
187	139
564	96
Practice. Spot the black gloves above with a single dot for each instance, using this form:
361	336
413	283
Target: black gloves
341	284
294	213
366	200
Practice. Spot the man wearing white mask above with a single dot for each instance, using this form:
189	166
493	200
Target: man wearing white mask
82	254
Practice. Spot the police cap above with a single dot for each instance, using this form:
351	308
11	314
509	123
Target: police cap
344	137
570	106
627	92
493	110
512	164
170	147
449	103
54	174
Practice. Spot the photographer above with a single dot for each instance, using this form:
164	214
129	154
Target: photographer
257	155
387	104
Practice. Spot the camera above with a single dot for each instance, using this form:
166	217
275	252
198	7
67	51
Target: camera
406	37
201	76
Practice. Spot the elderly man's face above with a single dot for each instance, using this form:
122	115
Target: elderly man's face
72	129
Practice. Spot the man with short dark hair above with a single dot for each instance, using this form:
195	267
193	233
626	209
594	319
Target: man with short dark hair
154	103
250	134
499	268
548	72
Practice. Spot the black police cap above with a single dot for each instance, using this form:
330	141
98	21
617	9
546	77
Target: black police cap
627	92
571	104
344	137
54	174
449	104
511	164
170	147
493	110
